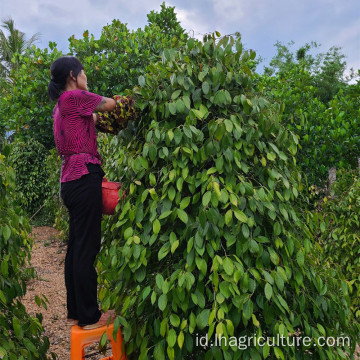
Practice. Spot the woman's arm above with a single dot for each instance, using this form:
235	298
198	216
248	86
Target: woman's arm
106	104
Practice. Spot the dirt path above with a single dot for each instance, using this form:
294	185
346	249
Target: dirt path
48	257
48	260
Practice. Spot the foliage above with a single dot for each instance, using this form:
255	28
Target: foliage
21	335
10	44
339	221
167	21
208	240
27	159
112	64
26	108
328	135
327	69
57	214
331	137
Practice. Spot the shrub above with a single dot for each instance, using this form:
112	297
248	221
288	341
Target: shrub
339	222
27	159
54	209
208	239
21	336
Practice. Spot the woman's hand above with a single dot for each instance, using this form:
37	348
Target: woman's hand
96	118
116	120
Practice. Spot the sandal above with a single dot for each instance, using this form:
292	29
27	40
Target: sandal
71	322
104	320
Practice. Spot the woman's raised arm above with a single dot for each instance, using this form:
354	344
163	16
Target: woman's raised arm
106	104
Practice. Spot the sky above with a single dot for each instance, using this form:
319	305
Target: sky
261	22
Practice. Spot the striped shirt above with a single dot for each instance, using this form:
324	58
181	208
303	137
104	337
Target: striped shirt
74	132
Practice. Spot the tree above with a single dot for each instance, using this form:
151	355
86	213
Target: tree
318	106
167	21
327	70
11	44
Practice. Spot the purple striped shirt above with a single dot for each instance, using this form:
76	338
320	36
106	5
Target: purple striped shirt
74	132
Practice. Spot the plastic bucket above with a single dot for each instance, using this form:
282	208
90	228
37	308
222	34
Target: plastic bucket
110	196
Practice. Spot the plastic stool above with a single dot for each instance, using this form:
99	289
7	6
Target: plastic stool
81	338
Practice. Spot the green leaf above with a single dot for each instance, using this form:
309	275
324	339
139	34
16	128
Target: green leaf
2	297
103	340
205	87
180	106
141	80
203	318
247	309
159	351
180	340
17	328
182	216
165	214
228	266
245	231
228	217
278	353
300	258
172	108
283	302
228	125
185	202
156	226
163	251
175	94
171	338
6	232
240	215
174	246
206	198
162	302
128	233
171	193
174	320
268	291
30	346
4	268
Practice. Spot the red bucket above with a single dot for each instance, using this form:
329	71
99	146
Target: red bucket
110	196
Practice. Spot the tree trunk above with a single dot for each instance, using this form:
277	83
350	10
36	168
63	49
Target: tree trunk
332	177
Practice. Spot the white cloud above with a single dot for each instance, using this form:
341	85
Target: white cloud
190	21
229	9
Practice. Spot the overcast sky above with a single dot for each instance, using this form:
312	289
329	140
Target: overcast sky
261	22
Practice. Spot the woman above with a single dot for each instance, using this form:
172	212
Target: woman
81	178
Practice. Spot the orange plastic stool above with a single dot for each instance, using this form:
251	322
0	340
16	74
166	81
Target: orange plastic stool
81	338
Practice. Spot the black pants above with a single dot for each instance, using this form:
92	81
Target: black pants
83	200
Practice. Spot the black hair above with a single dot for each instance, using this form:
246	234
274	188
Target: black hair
60	70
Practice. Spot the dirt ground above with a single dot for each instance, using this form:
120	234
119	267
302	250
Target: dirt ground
48	257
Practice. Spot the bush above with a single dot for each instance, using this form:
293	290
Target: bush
54	209
339	222
208	239
27	159
21	336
